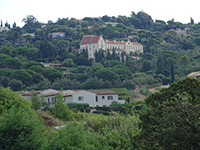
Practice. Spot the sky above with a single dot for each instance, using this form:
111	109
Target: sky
44	10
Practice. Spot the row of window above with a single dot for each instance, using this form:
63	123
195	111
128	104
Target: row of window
81	98
51	99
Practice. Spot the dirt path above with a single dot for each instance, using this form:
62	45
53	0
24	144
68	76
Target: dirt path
140	96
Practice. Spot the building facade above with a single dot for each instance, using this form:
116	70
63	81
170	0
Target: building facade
94	43
93	98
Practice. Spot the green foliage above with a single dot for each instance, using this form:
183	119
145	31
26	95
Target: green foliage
52	74
36	102
9	99
12	63
15	85
23	76
19	125
29	64
60	110
21	129
107	74
78	106
172	117
37	68
118	131
73	136
144	91
68	63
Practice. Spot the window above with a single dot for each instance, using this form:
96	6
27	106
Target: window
96	99
103	97
80	98
110	97
48	100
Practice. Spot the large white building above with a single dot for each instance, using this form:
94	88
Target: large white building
94	43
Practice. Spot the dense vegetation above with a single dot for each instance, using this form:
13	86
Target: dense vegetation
169	120
171	50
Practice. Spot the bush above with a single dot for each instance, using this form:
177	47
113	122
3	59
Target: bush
101	112
87	110
73	137
144	90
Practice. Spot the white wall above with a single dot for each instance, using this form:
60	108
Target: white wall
105	101
88	97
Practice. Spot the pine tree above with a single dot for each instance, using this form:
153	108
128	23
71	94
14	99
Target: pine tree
6	24
172	73
191	20
14	25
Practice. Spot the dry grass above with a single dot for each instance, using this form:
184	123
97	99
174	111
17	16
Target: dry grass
48	120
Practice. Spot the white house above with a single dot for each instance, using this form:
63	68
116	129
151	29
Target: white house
58	35
95	43
93	98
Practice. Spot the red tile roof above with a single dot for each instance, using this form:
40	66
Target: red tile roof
89	39
114	42
136	43
104	92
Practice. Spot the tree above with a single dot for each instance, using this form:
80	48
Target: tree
191	20
12	63
94	68
36	101
146	66
73	136
31	63
14	25
31	24
23	76
122	72
106	74
20	128
172	73
60	110
37	68
184	61
47	49
4	81
172	118
15	85
68	63
52	74
30	19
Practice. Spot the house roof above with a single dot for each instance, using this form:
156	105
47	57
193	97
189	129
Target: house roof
47	92
57	33
104	92
89	39
70	93
194	74
120	42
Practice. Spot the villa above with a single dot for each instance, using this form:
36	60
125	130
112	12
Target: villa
94	43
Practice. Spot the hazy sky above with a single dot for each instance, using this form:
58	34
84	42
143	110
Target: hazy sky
44	10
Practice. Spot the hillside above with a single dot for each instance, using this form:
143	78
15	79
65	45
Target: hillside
171	51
